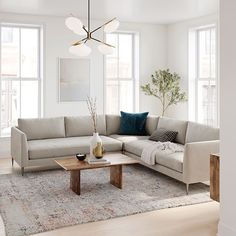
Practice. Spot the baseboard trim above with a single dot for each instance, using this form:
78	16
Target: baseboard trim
224	230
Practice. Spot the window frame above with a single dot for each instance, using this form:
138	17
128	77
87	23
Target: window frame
194	57
38	78
134	71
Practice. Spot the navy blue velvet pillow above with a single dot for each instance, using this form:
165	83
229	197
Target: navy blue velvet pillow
133	123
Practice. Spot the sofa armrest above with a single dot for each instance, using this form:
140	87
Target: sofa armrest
196	163
19	147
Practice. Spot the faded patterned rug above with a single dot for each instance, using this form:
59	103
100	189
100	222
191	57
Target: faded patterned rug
42	201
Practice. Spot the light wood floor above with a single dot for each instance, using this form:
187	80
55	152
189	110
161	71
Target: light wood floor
194	220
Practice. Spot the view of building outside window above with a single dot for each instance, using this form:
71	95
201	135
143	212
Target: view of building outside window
207	84
119	74
20	75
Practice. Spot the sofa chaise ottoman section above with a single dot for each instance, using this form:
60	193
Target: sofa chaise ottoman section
51	148
136	147
173	161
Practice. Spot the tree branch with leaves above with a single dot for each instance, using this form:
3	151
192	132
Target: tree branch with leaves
165	86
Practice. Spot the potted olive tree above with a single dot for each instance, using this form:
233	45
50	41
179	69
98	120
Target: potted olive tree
165	86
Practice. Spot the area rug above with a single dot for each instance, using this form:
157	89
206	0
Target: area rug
42	201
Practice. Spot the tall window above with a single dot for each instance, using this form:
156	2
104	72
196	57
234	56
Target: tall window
20	80
203	90
121	81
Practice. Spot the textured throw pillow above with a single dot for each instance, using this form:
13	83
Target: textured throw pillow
133	123
163	135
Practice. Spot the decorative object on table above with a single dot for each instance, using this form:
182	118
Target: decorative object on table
165	86
80	156
80	48
98	161
133	123
96	147
74	79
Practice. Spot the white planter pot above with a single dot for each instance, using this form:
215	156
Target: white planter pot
96	146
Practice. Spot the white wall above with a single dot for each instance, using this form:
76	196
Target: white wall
57	39
177	56
153	48
227	225
5	148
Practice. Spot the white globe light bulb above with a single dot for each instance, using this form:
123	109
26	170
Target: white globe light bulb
80	31
80	50
74	24
105	49
112	26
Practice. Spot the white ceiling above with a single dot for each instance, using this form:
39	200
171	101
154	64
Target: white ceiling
148	11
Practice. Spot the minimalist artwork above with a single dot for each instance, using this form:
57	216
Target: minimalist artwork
74	79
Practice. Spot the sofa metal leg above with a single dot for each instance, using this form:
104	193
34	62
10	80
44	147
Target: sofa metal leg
187	188
12	161
22	171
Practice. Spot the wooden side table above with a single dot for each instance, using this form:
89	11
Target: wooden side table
215	177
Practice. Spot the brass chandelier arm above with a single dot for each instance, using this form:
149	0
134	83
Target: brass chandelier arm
85	29
89	33
79	42
109	45
103	25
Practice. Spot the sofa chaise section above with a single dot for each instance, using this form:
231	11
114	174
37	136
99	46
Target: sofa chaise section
191	165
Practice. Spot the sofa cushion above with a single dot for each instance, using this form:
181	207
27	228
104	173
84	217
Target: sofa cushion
136	147
44	128
113	124
174	125
173	161
83	126
51	148
128	138
198	132
151	124
163	135
133	123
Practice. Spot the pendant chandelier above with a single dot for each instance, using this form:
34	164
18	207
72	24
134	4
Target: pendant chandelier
80	48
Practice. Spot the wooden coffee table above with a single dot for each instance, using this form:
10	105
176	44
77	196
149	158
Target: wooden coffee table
117	160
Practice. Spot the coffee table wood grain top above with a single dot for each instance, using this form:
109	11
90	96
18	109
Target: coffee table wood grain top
72	163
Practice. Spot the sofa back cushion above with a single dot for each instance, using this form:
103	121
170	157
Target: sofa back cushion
42	128
198	132
82	125
133	123
151	124
113	124
179	126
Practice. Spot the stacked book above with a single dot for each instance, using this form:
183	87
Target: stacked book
98	161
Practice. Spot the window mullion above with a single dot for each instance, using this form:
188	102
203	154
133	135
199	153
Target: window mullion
133	74
39	74
20	69
0	80
197	76
118	70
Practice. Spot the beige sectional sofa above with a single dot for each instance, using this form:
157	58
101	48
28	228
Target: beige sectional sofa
37	142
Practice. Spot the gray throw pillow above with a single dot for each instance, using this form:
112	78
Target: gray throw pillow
163	135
